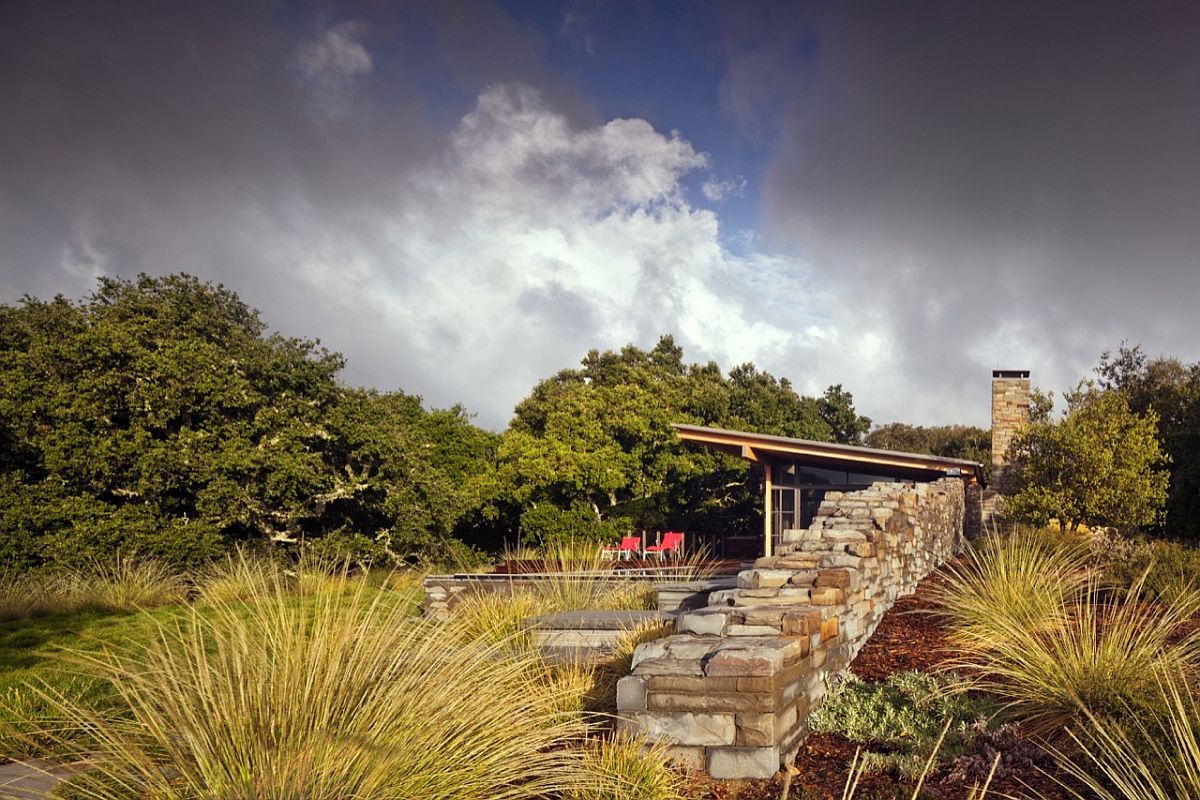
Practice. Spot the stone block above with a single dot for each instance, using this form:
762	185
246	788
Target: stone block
763	578
751	630
703	622
683	727
801	621
670	666
829	629
755	730
763	615
838	578
805	578
690	683
826	596
690	759
841	560
727	763
710	702
754	661
631	693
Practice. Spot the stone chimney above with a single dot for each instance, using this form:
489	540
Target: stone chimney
1010	410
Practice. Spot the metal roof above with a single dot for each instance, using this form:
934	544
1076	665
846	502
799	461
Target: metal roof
764	447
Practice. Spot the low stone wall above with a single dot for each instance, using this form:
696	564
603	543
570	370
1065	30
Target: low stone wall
730	693
443	592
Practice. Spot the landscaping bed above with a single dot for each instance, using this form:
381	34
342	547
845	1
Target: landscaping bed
908	638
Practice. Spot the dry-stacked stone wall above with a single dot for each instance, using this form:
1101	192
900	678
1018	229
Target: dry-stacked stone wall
730	693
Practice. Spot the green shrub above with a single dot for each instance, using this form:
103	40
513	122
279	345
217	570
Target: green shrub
904	716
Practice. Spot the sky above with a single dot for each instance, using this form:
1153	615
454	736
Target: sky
465	197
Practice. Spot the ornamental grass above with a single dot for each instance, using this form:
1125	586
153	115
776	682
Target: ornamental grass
1009	587
1139	756
335	695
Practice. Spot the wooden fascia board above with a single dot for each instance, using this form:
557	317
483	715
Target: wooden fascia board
762	451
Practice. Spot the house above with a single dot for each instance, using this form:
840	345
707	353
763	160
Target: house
798	472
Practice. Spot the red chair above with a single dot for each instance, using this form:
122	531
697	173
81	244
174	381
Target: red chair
630	546
672	542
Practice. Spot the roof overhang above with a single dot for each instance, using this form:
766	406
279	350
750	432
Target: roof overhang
763	448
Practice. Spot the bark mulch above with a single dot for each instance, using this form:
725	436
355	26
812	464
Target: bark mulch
908	638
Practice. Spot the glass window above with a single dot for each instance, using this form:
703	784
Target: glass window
866	477
784	475
820	475
810	501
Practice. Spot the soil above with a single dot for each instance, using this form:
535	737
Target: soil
909	637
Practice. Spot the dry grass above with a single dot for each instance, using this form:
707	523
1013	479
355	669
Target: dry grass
626	768
1059	648
340	694
1009	587
127	583
1140	757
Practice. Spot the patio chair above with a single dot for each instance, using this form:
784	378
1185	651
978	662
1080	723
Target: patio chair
672	542
630	546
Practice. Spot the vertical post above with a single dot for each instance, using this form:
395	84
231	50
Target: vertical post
767	515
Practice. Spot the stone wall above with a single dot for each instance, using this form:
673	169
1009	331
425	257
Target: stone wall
730	693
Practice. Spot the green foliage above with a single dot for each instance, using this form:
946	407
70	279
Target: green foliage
546	524
599	439
1171	389
949	441
159	417
904	717
1099	465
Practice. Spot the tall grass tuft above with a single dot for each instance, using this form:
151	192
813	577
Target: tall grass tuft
1009	587
238	576
1139	756
341	694
127	583
1099	656
626	768
25	595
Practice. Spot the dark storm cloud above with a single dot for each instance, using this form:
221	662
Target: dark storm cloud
990	184
409	183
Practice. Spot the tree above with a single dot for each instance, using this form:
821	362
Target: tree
159	416
950	441
591	451
1098	465
1171	389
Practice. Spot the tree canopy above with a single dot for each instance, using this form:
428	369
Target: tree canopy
591	451
1171	390
949	441
1100	464
158	415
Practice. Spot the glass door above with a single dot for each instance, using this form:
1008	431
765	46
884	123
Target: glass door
783	514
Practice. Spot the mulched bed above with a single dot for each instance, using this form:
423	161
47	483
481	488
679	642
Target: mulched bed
908	638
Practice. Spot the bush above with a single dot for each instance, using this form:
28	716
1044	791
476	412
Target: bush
905	716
